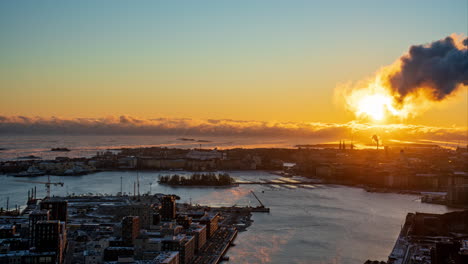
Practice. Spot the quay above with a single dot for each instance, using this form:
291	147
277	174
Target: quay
215	250
273	182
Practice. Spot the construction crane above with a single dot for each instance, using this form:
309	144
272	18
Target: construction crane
47	184
261	204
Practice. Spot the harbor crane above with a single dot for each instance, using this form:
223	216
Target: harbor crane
47	184
261	204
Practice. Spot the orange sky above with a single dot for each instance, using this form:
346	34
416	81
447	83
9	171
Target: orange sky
243	61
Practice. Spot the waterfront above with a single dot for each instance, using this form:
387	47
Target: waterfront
324	224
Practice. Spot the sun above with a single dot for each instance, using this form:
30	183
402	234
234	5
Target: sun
375	106
373	101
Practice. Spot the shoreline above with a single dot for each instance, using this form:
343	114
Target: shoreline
199	186
317	180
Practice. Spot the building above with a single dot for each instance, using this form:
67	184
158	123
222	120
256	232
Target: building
432	238
50	236
425	181
199	232
7	231
13	244
204	155
211	222
114	253
34	217
92	257
130	229
324	171
449	252
464	251
57	208
170	229
184	244
160	163
146	247
170	257
168	209
458	189
155	219
184	220
94	250
128	162
26	256
144	213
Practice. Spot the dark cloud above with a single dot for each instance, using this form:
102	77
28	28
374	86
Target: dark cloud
437	69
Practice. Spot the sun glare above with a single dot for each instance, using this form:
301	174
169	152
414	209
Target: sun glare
375	106
374	102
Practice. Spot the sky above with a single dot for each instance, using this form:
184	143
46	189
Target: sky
242	60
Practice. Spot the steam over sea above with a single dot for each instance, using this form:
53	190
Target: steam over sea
14	146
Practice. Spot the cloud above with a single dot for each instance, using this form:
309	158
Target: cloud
425	76
439	68
128	125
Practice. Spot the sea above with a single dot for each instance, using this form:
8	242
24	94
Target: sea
317	223
13	147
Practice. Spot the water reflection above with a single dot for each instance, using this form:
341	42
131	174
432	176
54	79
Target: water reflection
325	224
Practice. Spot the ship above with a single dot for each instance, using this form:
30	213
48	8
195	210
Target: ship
60	149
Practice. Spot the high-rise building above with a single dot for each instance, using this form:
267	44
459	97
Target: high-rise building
57	208
184	221
199	233
144	213
184	244
34	217
130	229
211	222
168	210
50	236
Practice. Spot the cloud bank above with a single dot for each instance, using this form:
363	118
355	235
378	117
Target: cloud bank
128	125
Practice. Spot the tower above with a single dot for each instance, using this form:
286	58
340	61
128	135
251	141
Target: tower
58	209
130	229
34	217
168	210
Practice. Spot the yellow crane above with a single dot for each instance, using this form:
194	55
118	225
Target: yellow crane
47	184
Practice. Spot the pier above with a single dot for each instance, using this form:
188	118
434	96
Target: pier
280	181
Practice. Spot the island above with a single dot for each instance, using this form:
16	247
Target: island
198	179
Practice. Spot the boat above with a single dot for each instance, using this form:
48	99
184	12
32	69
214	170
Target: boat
260	209
186	139
59	149
204	141
29	157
